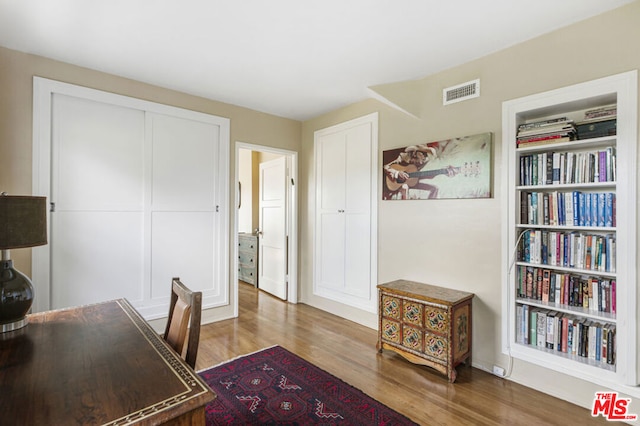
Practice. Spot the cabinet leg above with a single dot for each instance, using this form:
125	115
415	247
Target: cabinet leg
453	374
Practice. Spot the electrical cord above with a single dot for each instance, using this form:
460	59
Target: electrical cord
512	262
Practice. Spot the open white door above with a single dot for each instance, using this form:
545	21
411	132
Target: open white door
272	253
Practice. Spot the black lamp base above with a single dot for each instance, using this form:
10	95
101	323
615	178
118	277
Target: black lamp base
16	297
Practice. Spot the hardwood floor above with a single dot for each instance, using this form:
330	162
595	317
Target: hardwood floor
348	351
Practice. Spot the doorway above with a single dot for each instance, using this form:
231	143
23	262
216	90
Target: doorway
258	185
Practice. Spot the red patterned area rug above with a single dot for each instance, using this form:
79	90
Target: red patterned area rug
276	387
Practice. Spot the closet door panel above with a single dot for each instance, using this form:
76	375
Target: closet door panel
97	187
183	205
357	171
332	165
182	246
97	156
357	261
184	159
331	251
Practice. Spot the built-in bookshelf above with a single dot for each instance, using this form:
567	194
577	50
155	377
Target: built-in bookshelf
569	229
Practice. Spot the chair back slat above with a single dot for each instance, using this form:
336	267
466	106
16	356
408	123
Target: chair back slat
185	313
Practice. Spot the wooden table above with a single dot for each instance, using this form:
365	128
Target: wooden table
426	324
99	364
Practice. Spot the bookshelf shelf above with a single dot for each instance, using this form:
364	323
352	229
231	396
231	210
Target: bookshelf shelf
571	358
592	185
569	230
570	270
576	144
574	310
605	229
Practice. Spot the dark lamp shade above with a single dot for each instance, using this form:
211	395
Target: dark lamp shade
23	221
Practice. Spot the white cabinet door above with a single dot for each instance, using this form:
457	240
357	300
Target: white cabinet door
345	249
330	220
357	212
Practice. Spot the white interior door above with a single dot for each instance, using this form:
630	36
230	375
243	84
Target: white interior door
272	253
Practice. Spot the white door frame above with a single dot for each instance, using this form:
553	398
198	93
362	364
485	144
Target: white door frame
292	213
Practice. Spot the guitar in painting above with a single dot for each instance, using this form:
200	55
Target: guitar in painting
415	175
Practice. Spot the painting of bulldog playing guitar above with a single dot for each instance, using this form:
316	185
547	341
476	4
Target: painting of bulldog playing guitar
453	168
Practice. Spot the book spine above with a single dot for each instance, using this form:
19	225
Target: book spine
533	328
541	331
613	297
550	336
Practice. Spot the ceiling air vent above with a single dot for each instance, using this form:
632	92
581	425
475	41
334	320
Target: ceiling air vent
461	92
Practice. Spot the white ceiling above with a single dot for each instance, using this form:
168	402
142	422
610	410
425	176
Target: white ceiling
291	58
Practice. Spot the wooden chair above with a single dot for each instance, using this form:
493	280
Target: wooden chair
185	308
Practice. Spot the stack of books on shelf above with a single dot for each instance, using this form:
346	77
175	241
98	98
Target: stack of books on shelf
544	132
598	123
564	333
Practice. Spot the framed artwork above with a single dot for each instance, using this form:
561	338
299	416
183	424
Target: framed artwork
452	168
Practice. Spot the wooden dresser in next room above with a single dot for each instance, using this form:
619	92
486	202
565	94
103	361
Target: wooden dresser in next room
426	324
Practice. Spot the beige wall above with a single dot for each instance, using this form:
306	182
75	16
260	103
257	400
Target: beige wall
457	243
16	92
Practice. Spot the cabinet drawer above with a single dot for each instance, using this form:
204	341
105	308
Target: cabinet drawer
390	307
247	243
436	319
436	346
247	258
412	338
390	331
412	313
247	275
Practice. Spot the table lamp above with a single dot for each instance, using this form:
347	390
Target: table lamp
23	223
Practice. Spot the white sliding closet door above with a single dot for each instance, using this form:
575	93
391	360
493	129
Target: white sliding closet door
183	203
139	195
97	185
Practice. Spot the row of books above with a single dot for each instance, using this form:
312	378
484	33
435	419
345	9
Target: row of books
543	132
595	294
566	333
578	250
574	208
559	168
